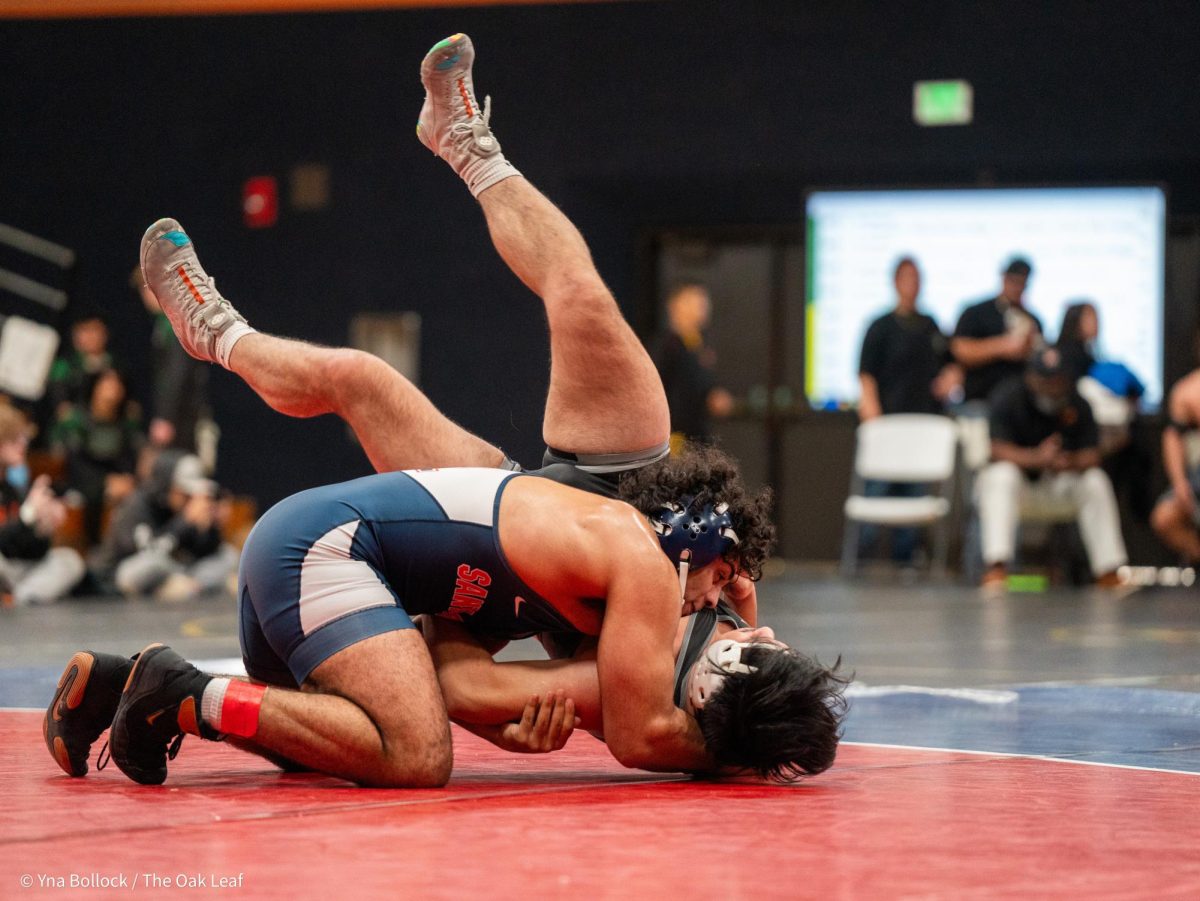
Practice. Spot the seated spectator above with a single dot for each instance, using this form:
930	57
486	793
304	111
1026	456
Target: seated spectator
100	441
1045	440
31	571
1176	517
165	539
69	384
905	367
994	338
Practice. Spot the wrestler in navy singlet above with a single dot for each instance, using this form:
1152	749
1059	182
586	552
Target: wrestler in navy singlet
332	566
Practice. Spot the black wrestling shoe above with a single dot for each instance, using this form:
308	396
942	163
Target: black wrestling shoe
83	706
160	704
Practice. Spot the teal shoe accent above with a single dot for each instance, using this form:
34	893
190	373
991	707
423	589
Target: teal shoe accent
446	63
178	238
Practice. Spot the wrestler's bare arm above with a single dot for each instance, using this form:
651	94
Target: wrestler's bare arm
600	564
636	663
480	691
1183	406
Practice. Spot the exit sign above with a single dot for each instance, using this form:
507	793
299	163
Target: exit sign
943	102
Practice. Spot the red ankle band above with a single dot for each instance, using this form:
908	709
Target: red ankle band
239	710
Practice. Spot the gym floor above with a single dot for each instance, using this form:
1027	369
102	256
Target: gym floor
1036	745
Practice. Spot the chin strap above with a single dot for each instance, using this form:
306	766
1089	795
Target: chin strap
685	560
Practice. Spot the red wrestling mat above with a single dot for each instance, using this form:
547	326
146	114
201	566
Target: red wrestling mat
884	822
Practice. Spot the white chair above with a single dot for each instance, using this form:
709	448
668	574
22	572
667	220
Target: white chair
904	447
1113	414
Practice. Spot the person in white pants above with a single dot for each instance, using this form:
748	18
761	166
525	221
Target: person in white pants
1045	441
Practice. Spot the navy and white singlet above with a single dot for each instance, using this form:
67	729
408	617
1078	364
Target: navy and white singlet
332	566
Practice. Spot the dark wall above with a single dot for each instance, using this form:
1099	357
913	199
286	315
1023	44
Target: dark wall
629	115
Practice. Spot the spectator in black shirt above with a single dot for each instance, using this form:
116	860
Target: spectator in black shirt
995	337
1044	440
685	366
905	367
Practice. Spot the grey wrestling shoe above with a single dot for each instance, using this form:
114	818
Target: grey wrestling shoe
205	323
452	124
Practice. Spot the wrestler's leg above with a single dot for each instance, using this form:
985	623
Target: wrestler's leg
397	425
394	421
376	716
288	766
373	714
605	394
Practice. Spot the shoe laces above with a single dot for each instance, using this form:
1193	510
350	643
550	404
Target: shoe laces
205	284
105	754
465	130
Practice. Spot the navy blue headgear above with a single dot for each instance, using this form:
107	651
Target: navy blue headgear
704	529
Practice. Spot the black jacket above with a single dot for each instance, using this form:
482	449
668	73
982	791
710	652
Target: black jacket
18	541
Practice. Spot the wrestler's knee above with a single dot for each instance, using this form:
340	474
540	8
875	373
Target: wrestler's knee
583	294
1166	516
409	764
351	374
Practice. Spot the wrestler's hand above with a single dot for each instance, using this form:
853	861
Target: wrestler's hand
545	725
742	595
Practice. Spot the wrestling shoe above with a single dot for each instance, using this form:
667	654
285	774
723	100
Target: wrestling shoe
452	124
160	704
205	323
83	707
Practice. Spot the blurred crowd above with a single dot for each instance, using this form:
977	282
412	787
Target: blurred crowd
1058	420
1042	422
98	498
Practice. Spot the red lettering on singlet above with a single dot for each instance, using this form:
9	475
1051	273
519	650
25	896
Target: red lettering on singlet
470	591
469	574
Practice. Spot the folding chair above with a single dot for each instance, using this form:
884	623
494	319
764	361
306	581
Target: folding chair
904	447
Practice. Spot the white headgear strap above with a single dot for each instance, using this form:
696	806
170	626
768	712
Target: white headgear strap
722	658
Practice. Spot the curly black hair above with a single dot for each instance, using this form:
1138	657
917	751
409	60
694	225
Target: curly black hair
708	475
782	720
